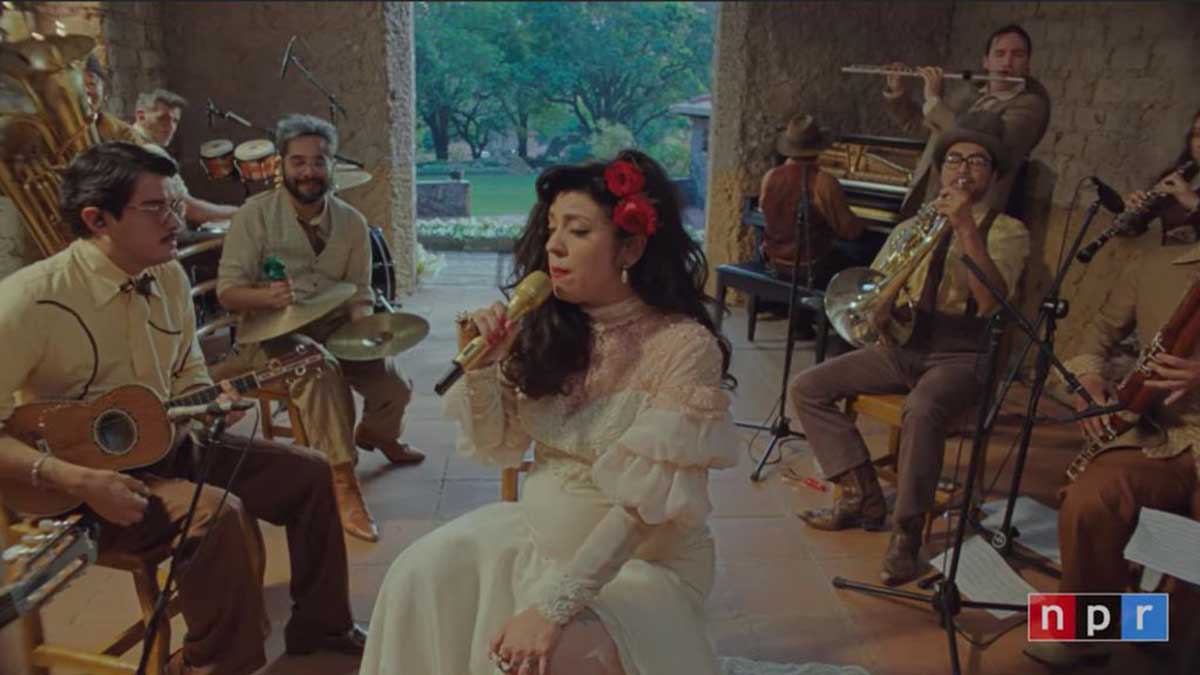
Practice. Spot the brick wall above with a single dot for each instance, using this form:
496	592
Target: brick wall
132	38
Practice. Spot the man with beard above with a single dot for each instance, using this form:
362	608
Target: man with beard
322	241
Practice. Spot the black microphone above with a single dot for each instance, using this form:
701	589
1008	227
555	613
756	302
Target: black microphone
287	57
1108	196
212	110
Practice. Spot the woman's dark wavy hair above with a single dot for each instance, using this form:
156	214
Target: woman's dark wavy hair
555	340
1185	154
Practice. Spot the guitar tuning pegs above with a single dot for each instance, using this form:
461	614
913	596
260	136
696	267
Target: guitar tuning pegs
16	552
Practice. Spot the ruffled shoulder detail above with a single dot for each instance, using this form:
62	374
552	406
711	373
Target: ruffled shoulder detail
659	467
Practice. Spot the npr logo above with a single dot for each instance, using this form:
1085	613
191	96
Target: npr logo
1069	617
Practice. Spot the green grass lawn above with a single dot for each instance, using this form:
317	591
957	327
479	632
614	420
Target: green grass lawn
499	194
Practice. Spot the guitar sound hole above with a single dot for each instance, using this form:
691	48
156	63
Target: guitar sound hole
115	432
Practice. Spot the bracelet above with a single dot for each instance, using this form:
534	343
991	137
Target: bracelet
36	470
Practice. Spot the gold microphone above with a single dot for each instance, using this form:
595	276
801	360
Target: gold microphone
527	296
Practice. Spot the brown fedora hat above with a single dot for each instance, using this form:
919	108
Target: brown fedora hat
802	138
981	127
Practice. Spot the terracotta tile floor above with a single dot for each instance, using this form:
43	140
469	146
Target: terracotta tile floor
773	599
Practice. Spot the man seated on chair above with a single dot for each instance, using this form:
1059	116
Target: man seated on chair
936	368
786	248
1154	464
114	309
321	240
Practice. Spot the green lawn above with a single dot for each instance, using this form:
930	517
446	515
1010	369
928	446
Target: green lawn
499	194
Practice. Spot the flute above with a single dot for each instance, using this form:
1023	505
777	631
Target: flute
908	71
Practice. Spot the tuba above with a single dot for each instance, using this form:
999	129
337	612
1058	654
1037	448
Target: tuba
45	120
860	302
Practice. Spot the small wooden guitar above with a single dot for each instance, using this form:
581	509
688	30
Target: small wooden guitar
126	428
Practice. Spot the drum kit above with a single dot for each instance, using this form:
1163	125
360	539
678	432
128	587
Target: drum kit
256	164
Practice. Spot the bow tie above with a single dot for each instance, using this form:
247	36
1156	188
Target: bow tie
140	284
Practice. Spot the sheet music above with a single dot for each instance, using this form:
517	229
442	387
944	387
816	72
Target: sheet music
984	576
1036	523
1166	542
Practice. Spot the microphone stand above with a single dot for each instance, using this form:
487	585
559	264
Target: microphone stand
782	429
334	105
200	441
946	600
1050	310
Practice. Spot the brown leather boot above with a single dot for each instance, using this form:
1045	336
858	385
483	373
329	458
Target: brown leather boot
858	502
356	519
902	562
394	450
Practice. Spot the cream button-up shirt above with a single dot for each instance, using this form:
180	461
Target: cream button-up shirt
70	331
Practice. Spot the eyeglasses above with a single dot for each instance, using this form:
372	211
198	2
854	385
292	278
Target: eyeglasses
164	210
974	161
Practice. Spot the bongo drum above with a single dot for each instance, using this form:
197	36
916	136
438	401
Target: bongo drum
216	156
256	161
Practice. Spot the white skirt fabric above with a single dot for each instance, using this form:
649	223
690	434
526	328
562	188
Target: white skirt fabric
449	593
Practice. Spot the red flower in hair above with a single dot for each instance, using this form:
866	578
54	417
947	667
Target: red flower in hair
624	178
636	215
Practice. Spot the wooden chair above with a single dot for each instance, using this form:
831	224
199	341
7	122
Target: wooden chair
145	568
887	408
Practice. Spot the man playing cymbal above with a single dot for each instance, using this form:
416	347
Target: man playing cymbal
322	241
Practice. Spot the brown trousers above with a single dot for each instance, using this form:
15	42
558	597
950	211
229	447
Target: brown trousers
939	387
220	573
1099	511
323	396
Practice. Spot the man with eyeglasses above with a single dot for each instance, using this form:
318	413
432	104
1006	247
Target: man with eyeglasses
114	309
1024	107
936	368
322	241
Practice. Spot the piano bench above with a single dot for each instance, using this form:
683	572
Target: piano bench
757	281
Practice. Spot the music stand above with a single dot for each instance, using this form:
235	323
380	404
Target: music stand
781	429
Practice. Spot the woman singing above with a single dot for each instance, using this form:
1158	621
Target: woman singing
604	564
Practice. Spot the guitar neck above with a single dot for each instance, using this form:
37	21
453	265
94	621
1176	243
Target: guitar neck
240	384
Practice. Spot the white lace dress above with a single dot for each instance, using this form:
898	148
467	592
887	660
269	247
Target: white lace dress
612	517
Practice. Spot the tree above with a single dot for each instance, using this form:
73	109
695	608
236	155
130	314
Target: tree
452	68
625	63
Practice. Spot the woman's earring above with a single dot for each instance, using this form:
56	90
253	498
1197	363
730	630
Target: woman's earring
625	275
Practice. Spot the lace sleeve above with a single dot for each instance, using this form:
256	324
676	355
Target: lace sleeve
485	409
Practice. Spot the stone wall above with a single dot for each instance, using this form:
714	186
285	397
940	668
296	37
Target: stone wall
1118	74
444	199
774	60
132	45
362	52
1121	81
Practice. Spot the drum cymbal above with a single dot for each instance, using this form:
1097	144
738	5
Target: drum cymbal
54	52
259	326
377	336
346	176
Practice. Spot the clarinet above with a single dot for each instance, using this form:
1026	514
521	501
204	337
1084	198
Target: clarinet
1135	222
1177	338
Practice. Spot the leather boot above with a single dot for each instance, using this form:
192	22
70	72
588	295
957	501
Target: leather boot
902	562
857	502
395	451
356	519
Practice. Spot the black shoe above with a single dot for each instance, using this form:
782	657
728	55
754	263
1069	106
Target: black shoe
350	642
